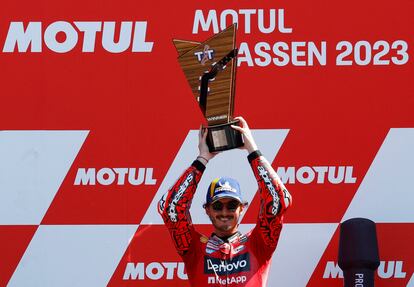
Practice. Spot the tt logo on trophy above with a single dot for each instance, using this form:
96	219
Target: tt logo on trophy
210	69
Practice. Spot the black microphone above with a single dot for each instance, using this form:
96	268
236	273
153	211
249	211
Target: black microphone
358	255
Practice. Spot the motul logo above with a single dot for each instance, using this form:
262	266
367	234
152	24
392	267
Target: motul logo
73	34
155	271
317	174
267	21
116	176
386	270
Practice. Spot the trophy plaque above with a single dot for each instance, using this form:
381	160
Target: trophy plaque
210	69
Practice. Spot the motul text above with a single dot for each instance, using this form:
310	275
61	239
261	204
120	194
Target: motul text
117	176
317	174
21	38
267	21
386	270
155	271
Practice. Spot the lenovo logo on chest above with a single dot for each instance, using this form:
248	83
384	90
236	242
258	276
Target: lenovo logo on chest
222	267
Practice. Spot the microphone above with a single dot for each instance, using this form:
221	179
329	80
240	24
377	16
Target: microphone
358	252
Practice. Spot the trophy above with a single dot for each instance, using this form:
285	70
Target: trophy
210	69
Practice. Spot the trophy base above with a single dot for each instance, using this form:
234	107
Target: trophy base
224	137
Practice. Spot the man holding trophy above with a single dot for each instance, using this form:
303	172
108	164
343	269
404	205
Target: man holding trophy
227	257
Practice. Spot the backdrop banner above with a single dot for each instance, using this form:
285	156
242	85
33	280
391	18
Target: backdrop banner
97	122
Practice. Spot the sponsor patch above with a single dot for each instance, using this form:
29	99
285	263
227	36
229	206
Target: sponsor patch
203	239
221	267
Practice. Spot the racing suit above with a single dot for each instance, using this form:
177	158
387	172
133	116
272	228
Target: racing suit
241	260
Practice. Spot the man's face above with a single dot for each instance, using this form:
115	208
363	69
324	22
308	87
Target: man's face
224	214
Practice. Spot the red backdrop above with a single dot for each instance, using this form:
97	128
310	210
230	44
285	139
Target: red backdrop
71	103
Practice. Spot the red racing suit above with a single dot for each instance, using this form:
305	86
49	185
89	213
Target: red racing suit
241	260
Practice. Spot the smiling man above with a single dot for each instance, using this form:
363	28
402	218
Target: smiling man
227	257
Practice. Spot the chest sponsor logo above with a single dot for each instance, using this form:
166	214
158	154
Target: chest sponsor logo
227	281
238	249
222	267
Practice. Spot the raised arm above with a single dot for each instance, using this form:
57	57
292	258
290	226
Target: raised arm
174	206
274	197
